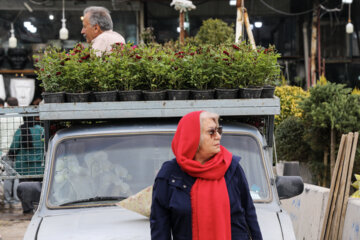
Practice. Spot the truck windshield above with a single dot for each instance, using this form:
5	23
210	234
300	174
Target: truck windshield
114	167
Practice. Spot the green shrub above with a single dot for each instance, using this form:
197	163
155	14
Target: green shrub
290	144
215	31
289	101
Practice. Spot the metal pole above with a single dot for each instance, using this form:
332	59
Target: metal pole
306	54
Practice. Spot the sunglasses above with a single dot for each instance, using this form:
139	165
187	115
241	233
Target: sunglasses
214	130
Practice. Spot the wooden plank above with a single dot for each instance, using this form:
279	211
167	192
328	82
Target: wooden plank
332	187
335	193
340	202
347	185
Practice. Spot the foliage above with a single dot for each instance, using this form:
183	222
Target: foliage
127	68
70	72
290	144
148	35
157	67
215	32
47	68
326	105
289	101
356	91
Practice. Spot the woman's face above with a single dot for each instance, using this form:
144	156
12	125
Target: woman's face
209	139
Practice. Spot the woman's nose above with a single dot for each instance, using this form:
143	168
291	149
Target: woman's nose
217	135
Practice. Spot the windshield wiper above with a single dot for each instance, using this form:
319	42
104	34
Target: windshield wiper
93	199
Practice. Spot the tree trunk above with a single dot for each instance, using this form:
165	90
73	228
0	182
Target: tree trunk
326	156
182	30
332	151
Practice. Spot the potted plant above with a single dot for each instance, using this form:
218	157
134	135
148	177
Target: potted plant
181	67
156	63
128	71
104	78
227	84
271	72
76	74
204	73
48	68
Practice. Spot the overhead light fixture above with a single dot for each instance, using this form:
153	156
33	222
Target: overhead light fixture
12	39
51	17
232	2
251	26
82	18
31	28
64	33
258	24
347	1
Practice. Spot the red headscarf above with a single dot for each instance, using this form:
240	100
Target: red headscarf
210	203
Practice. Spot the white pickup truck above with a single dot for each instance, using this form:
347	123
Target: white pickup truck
89	168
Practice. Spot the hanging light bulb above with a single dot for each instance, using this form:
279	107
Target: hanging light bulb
349	26
64	33
12	39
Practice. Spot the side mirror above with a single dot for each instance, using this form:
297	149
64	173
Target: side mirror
289	186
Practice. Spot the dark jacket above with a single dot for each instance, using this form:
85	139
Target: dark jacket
171	205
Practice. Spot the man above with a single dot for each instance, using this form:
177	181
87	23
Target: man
97	29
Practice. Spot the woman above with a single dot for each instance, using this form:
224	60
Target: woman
203	193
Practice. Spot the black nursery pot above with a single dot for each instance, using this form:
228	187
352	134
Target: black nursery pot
58	97
250	93
178	94
268	92
17	57
135	95
223	93
154	95
77	97
202	94
107	96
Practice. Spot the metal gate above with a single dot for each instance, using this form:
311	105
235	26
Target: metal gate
21	143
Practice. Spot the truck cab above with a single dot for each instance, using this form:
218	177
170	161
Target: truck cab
91	167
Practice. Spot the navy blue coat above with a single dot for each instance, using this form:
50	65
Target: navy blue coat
171	205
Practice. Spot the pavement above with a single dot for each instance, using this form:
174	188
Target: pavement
13	223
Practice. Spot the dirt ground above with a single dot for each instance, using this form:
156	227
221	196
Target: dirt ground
13	224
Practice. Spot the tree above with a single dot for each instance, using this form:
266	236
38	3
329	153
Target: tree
329	107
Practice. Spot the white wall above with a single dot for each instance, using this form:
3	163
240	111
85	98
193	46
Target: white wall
308	209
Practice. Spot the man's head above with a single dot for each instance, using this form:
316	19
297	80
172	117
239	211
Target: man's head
96	20
11	101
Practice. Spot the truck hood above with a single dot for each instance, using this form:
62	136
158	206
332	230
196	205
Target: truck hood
108	223
112	223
